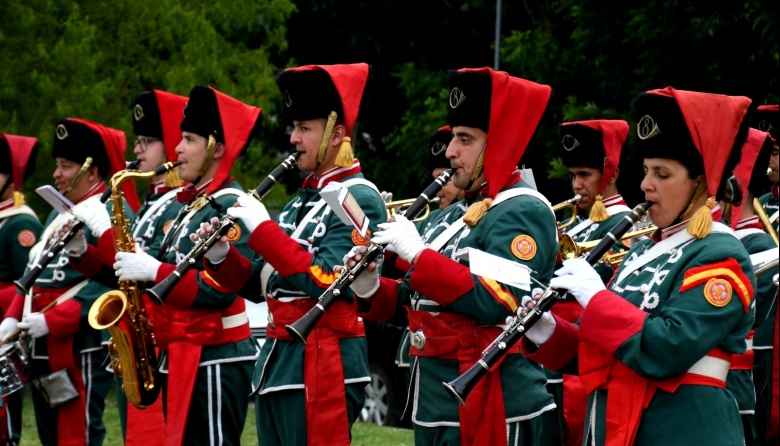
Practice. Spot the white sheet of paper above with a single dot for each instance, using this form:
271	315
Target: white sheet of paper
54	198
345	206
528	176
497	268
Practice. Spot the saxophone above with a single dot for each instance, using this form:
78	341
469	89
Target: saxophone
122	311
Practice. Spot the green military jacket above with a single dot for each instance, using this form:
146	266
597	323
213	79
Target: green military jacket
770	202
19	231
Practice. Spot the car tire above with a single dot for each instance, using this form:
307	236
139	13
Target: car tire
382	399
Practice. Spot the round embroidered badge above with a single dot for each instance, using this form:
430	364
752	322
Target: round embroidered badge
167	226
26	238
234	233
359	239
718	292
524	247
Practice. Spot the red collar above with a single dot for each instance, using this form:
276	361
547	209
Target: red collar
97	189
158	188
514	178
190	192
776	190
665	233
7	204
335	174
749	223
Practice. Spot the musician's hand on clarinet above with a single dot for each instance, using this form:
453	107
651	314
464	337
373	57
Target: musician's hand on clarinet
403	235
543	329
8	327
219	250
578	278
250	211
77	245
138	266
366	284
94	215
35	324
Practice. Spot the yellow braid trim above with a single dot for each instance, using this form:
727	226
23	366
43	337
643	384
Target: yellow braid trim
345	156
476	211
598	212
172	179
18	199
701	222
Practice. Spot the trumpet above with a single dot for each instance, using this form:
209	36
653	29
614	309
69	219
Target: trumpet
55	247
569	249
160	291
400	207
301	328
759	211
460	387
570	204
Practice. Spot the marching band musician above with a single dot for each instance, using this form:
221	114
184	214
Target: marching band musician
19	231
591	151
323	381
653	351
207	350
156	119
454	313
86	154
744	380
767	119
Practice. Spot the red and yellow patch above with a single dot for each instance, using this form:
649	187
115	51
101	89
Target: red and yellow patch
728	271
718	292
359	240
167	226
524	247
26	238
234	233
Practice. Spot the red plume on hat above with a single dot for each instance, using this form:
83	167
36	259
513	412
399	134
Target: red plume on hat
238	122
744	169
21	148
115	144
713	121
614	133
171	107
516	107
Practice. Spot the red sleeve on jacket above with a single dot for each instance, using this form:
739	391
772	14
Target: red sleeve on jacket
609	320
383	303
230	275
440	278
7	296
185	291
64	319
17	306
279	249
89	264
558	351
106	246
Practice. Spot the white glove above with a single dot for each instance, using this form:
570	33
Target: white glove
8	327
579	279
35	324
217	253
138	266
77	245
95	215
543	329
366	284
250	211
387	197
404	237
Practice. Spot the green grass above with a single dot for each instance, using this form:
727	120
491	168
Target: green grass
363	434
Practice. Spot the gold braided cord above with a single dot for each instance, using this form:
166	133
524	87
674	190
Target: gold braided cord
326	136
209	154
84	167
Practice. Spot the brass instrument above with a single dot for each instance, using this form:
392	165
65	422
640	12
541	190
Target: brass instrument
399	207
123	313
569	249
759	211
570	204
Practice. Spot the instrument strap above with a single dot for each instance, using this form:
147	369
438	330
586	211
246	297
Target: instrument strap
774	216
268	269
439	242
612	210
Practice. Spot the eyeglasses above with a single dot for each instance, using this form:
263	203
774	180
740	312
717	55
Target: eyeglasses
144	143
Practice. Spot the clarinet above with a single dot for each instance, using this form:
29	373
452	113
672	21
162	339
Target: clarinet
301	328
461	386
160	291
55	247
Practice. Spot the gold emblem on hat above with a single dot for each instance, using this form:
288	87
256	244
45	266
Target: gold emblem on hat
765	126
646	128
438	147
138	112
62	132
569	142
288	102
456	97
